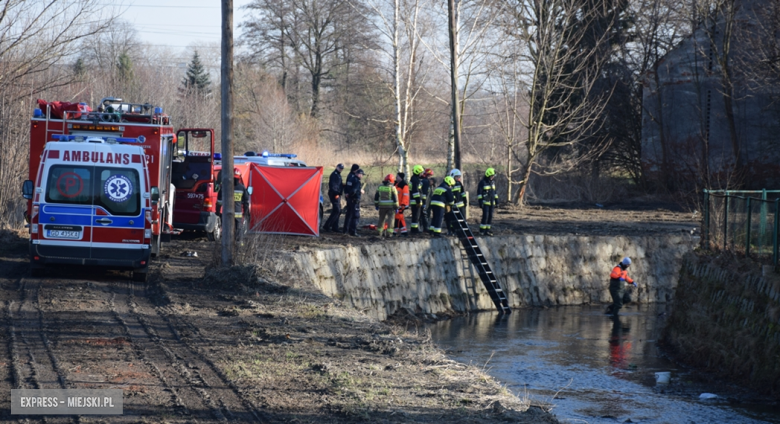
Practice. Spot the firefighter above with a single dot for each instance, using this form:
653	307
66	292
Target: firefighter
335	191
241	203
415	200
386	201
461	198
403	204
353	194
488	200
441	203
426	187
617	285
349	187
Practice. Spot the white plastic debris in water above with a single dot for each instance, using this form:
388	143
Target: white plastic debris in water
707	396
663	377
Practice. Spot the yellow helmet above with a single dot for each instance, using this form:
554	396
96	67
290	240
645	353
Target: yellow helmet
449	180
490	172
417	170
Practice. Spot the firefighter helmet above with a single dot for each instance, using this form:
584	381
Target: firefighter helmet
455	173
236	173
390	178
417	170
428	172
490	172
449	180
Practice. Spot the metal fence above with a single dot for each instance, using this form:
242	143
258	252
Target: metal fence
742	222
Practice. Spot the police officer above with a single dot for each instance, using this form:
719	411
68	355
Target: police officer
415	199
352	182
241	203
441	202
488	200
353	193
425	194
335	191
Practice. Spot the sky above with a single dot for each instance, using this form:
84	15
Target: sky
178	24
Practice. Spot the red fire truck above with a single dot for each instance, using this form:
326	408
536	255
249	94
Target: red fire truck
113	120
193	177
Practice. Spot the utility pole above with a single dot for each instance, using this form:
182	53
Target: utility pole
454	80
228	203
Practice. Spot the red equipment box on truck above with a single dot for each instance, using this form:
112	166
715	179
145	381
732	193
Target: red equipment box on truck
114	119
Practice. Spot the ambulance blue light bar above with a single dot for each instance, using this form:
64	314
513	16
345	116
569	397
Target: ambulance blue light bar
279	155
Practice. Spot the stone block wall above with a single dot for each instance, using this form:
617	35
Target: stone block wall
434	275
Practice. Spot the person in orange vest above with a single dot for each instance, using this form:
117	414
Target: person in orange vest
403	203
617	285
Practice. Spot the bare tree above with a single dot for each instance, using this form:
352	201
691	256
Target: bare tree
563	110
35	38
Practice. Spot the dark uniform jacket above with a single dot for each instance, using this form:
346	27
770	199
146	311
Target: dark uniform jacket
442	196
425	190
415	191
461	196
352	188
240	197
335	184
486	192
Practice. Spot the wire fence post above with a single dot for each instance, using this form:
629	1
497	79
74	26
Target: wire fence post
775	233
747	228
726	222
706	225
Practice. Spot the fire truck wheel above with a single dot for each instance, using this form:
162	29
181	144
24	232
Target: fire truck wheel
216	234
140	276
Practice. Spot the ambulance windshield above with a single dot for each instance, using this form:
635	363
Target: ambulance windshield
117	190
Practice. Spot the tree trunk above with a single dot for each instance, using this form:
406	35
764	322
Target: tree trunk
524	184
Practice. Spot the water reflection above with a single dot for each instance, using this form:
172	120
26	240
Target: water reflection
601	367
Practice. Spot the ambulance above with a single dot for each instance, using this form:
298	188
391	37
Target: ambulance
92	205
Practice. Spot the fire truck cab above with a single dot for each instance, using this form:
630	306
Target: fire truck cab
193	177
92	204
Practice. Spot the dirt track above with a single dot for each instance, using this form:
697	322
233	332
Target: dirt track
232	348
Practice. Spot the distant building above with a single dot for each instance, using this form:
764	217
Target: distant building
686	136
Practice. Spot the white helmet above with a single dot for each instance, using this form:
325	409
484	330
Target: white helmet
455	173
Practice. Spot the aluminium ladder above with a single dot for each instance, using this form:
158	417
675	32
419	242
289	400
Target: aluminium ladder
474	252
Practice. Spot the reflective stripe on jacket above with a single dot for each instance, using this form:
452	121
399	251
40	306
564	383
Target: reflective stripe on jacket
619	273
386	196
486	192
442	196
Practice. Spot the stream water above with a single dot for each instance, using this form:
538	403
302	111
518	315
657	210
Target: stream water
592	368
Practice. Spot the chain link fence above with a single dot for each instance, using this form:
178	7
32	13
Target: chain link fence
744	222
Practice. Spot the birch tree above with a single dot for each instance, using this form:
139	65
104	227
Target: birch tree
399	23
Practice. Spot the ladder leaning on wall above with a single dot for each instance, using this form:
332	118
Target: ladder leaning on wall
474	252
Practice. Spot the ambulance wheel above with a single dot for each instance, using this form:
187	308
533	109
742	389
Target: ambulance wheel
140	276
216	234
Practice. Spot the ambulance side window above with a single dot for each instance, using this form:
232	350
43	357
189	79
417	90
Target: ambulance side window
118	191
69	184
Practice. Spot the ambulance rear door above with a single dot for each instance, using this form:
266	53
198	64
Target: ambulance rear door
118	220
66	211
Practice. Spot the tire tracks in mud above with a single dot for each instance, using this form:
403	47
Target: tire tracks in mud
41	365
168	316
196	372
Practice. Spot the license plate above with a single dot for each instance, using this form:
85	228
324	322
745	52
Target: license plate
62	234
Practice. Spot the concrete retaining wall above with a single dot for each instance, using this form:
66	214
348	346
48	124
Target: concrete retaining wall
434	276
